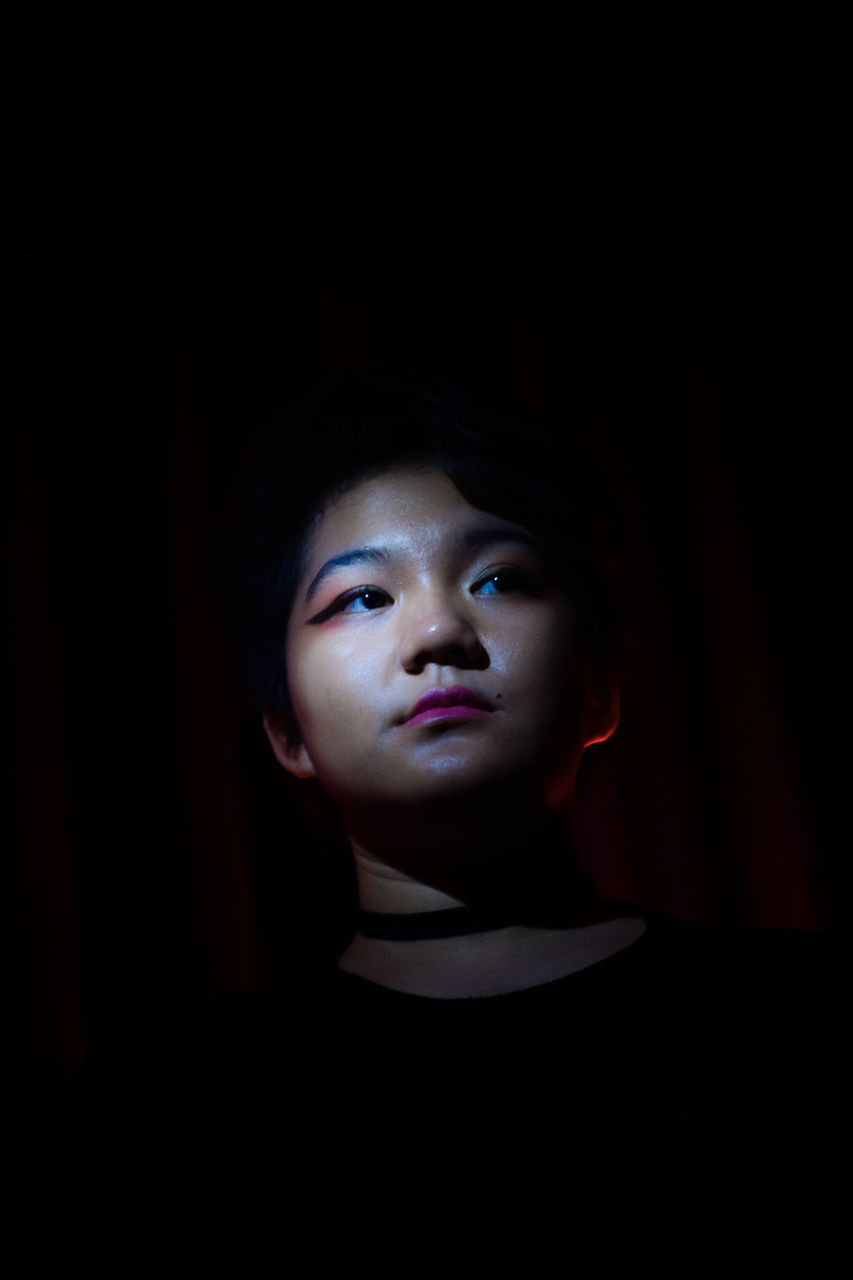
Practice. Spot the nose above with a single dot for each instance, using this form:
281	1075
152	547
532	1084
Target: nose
439	634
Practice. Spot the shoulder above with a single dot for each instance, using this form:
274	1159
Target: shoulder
770	967
750	985
758	1020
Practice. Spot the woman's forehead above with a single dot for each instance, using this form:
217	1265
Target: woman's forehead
416	502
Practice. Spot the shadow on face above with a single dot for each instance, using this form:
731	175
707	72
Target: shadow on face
435	663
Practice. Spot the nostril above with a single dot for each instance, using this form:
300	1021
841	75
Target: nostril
447	637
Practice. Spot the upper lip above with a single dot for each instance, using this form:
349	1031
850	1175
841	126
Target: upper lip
455	696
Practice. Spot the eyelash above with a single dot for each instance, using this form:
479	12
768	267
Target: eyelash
519	579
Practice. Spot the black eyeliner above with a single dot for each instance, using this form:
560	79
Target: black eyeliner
341	602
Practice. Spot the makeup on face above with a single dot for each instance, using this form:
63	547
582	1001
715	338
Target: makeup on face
454	703
429	647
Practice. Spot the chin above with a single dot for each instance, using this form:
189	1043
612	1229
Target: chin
453	779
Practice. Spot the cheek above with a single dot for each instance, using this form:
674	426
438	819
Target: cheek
304	687
330	681
542	652
551	687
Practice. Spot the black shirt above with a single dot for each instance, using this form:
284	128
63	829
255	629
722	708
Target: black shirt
310	1107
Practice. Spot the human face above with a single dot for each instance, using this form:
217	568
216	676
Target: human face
408	589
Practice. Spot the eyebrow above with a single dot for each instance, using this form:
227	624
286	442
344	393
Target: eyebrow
476	539
361	555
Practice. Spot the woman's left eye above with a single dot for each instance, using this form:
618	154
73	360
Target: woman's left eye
503	580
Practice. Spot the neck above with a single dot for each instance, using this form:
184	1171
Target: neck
522	867
515	878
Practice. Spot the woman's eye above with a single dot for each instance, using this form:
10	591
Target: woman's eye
359	600
503	580
363	600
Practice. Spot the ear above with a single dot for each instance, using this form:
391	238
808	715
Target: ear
602	711
289	749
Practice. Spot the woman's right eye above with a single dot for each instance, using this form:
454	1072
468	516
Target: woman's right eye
358	600
362	600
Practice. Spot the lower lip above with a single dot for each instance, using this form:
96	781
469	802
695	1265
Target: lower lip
447	713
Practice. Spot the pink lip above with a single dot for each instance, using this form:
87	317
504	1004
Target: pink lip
454	703
448	713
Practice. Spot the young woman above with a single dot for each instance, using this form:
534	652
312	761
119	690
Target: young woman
429	637
438	676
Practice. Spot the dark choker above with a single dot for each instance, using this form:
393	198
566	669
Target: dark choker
412	926
583	907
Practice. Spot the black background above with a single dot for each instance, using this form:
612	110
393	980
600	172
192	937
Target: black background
164	297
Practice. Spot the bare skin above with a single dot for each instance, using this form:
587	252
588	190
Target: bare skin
406	589
487	964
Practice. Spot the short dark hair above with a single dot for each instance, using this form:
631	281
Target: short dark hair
364	420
